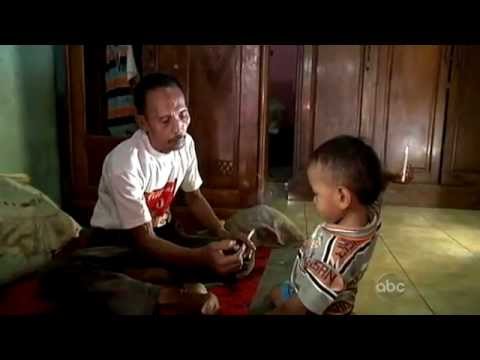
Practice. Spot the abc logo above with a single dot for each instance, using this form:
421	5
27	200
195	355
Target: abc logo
390	285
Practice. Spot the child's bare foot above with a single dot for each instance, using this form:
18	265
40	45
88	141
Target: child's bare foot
276	296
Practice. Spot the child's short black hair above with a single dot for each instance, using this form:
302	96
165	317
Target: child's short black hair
151	82
354	164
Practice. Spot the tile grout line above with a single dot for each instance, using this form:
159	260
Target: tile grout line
433	225
456	241
408	277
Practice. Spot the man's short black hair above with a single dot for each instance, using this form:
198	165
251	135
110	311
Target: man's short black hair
151	82
354	164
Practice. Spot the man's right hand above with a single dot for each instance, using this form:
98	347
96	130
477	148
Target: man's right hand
212	255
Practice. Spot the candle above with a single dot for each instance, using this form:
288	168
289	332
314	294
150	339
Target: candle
405	163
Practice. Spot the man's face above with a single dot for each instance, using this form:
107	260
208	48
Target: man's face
166	118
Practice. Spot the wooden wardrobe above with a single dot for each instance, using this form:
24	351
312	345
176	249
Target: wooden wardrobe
423	96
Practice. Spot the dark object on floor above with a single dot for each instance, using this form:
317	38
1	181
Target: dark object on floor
92	281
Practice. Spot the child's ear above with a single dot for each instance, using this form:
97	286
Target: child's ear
344	197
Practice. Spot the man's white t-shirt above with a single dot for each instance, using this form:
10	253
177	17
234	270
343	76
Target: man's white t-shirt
139	183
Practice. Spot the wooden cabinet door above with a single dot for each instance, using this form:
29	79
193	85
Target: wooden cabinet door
461	164
223	93
329	102
410	106
338	92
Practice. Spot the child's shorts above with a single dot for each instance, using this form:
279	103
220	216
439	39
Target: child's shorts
287	290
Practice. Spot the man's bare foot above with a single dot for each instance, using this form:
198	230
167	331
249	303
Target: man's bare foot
193	303
182	301
197	288
211	305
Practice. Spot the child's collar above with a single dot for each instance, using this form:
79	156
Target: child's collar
355	233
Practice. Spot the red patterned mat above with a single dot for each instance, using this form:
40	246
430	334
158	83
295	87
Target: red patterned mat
236	300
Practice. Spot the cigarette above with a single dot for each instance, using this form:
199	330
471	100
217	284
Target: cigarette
405	163
250	234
